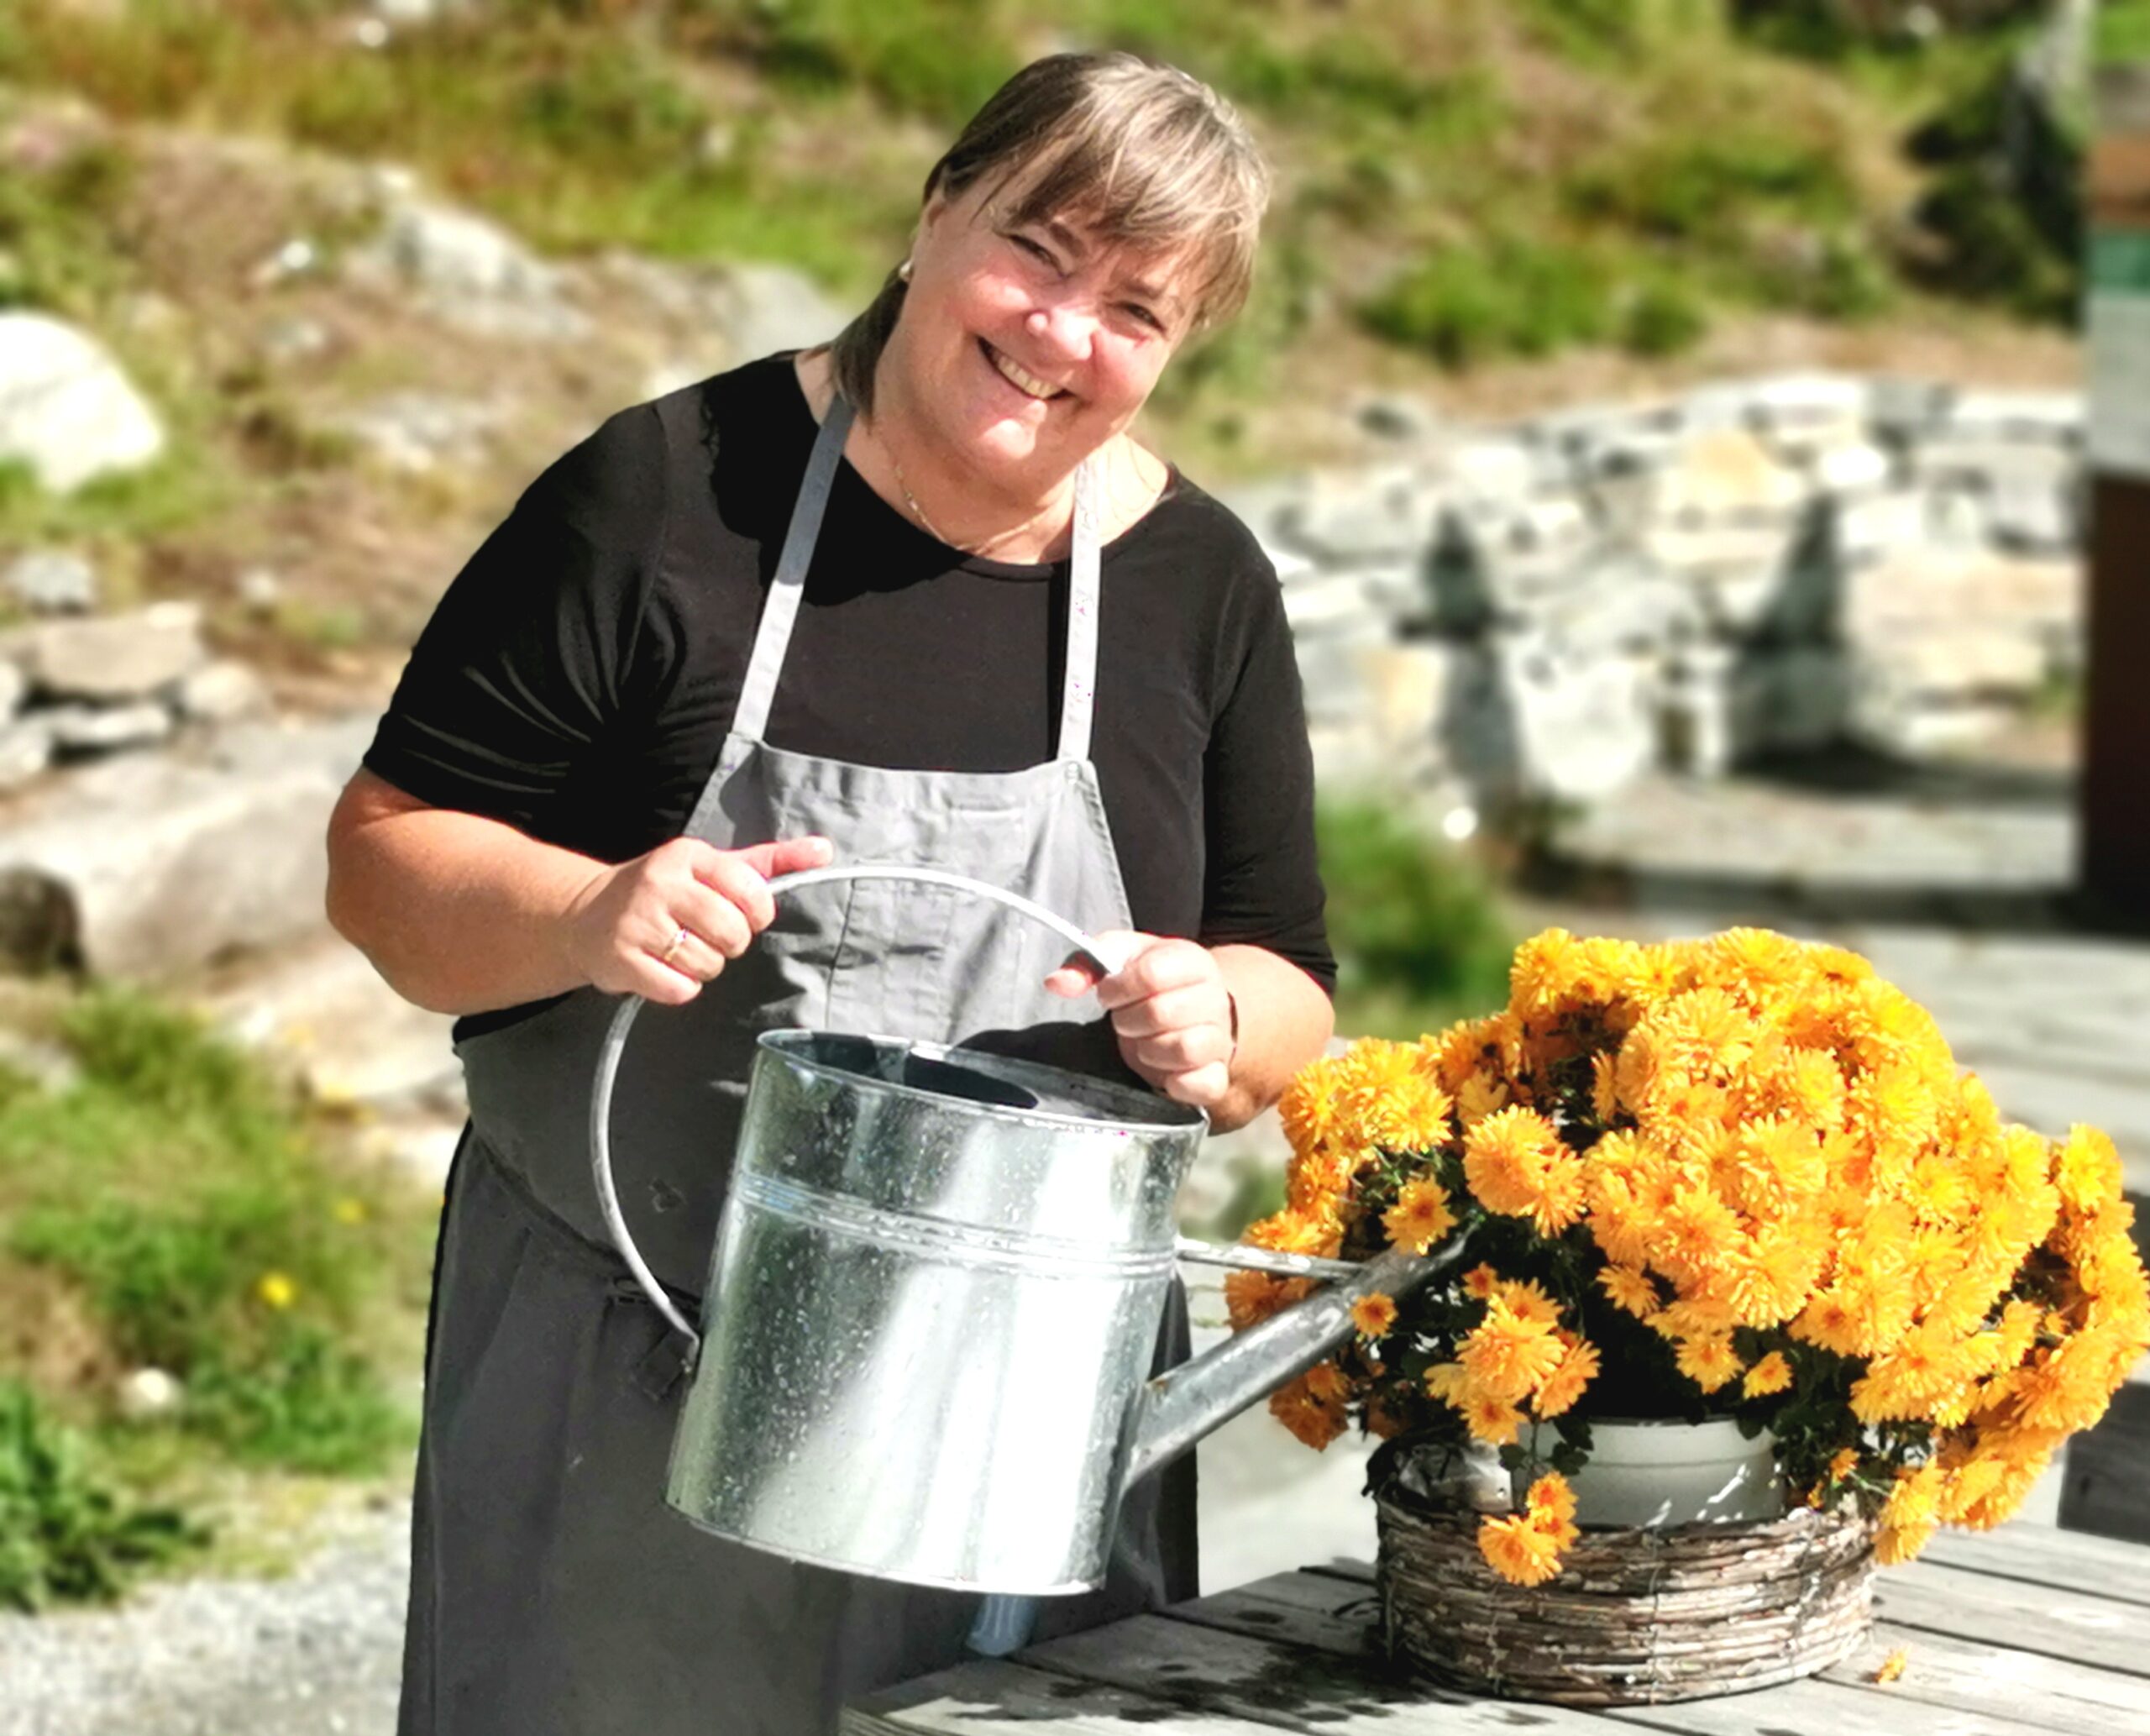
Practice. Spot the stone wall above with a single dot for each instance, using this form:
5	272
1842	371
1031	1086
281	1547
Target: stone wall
1553	608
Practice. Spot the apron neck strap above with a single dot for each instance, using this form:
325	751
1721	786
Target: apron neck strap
780	611
774	637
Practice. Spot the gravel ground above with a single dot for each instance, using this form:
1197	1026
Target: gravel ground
316	1653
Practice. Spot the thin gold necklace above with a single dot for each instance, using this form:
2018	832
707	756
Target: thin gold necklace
911	500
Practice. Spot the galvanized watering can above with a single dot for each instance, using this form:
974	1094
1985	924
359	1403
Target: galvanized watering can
934	1301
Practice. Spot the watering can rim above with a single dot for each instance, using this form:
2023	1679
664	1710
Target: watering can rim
1183	1118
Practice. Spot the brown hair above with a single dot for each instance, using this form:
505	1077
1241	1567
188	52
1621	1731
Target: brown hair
1141	154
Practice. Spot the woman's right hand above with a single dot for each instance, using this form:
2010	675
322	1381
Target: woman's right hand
664	924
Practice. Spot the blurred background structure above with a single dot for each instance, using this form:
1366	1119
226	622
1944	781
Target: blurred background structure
1667	417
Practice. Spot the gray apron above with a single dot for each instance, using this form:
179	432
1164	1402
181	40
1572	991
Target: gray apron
553	1593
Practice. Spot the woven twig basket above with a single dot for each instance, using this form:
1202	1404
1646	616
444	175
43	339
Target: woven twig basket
1636	1616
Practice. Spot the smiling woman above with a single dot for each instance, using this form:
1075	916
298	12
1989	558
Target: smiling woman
917	596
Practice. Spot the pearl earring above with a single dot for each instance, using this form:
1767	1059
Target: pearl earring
903	271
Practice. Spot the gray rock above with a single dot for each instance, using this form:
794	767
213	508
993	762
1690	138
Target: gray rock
2034	516
151	865
260	589
106	729
471	272
1877	525
1379	516
2052	417
67	409
1390	417
111	658
417	432
760	308
1582	728
52	581
221	692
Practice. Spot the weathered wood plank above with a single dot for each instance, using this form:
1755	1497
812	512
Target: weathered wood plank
1334	1615
1811	1707
2041	1555
1294	1687
992	1696
1959	1674
2069	1625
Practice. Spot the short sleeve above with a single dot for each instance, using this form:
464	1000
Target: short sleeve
526	678
1263	879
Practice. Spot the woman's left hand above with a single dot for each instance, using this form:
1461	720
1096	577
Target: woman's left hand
1171	1012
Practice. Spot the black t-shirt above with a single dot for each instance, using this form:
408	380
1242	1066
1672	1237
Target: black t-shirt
579	675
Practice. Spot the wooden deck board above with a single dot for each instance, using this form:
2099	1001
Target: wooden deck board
2027	1632
2069	1625
1329	1614
1944	1672
2040	1555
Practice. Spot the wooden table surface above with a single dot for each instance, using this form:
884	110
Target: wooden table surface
2025	1629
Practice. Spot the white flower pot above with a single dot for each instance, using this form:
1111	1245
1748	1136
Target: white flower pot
1674	1473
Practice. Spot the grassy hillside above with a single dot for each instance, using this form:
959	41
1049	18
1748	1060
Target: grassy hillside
1465	186
1608	170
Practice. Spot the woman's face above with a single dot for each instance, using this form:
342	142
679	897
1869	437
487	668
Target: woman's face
1024	348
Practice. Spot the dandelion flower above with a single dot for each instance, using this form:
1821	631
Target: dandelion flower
276	1290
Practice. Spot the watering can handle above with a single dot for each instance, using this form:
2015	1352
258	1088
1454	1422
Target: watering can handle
1108	959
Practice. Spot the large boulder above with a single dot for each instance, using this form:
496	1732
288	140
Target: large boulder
67	411
109	659
145	867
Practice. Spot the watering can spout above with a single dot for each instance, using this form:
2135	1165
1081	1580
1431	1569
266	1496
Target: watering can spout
1180	1406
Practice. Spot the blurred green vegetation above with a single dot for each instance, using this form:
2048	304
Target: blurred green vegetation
1624	170
1419	935
168	1206
68	1534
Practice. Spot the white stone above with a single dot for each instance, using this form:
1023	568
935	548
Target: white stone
1493	470
1371	517
145	1394
1726	473
1582	729
150	865
416	432
109	659
1877	525
106	729
1317	602
471	272
67	409
221	692
2052	416
1851	467
52	581
260	589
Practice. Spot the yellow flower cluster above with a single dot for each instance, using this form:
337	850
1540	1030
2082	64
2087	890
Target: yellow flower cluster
1765	1153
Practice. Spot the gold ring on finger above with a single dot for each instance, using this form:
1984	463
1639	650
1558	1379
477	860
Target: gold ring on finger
671	951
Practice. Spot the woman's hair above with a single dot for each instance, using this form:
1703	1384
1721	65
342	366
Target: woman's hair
1138	153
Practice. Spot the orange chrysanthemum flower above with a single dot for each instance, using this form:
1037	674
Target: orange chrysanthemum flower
1420	1217
1374	1315
1771	1375
1520	1552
